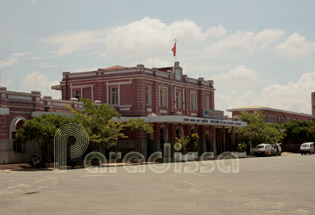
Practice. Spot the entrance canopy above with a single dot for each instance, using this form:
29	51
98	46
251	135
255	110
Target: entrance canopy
189	120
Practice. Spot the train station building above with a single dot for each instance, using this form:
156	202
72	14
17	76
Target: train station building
176	105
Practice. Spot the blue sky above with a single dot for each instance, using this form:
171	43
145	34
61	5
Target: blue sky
257	52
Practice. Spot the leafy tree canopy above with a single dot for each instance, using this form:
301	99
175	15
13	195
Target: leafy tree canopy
41	130
139	128
97	119
257	131
299	131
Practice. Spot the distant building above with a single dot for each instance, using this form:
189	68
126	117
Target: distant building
272	115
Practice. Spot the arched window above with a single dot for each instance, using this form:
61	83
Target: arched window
179	131
192	130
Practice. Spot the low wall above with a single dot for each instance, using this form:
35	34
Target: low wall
291	148
8	155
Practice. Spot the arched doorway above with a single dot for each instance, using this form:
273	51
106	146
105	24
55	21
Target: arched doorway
179	132
16	124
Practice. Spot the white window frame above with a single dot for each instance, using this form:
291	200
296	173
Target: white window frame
166	97
193	102
148	94
207	100
111	95
178	99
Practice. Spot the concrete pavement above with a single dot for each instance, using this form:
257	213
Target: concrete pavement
264	185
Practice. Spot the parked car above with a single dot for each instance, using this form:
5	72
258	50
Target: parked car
277	151
307	148
264	149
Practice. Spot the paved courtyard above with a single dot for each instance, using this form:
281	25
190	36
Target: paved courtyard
271	185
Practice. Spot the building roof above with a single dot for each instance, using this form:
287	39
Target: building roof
261	108
114	67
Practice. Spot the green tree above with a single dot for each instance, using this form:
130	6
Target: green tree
139	128
187	144
299	131
42	130
257	131
98	121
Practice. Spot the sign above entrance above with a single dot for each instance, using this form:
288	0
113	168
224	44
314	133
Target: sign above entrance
213	114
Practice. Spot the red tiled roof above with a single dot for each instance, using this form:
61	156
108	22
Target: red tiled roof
114	67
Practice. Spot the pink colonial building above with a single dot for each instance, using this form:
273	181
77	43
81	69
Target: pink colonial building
272	115
15	109
174	103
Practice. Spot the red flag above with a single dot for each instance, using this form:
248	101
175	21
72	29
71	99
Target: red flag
174	49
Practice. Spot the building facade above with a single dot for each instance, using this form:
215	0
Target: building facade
272	115
176	104
15	109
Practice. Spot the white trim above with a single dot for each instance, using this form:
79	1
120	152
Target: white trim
193	114
179	113
124	109
125	106
14	123
149	109
184	99
120	83
76	75
119	72
81	86
163	111
148	71
16	97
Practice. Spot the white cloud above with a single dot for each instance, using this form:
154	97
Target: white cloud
152	34
240	73
240	77
143	35
39	82
70	43
249	41
12	59
37	58
291	96
295	46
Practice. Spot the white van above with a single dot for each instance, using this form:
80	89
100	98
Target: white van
307	148
264	149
